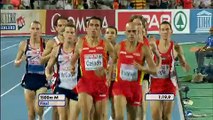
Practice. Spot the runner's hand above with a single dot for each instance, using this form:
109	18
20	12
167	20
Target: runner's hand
187	67
17	63
72	70
100	72
49	76
137	65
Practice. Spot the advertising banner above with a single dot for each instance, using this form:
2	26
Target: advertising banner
179	19
78	17
17	22
201	20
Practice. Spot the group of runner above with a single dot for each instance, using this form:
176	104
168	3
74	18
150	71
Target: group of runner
90	70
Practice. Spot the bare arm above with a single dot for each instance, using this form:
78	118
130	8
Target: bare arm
76	55
46	54
178	52
103	71
51	62
20	55
151	68
110	51
154	50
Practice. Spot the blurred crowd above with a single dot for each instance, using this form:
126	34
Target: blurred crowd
106	4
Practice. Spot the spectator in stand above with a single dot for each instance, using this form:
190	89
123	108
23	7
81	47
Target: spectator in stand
207	3
60	4
15	3
179	5
201	5
163	4
153	4
32	4
130	6
25	3
115	4
187	4
102	5
139	4
68	5
85	4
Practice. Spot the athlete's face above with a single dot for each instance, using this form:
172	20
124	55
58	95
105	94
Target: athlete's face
69	34
110	34
93	28
139	24
165	31
131	31
61	23
35	30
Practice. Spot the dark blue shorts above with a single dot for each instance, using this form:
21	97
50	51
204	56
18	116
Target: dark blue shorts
70	94
34	81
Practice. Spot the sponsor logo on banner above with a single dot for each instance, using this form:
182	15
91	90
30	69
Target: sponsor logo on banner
180	22
204	21
201	20
20	22
8	21
78	17
178	19
154	18
17	22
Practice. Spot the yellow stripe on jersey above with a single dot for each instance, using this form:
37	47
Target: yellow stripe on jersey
142	77
81	70
116	76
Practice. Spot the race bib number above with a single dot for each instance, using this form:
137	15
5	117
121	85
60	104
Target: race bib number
65	75
93	61
34	60
163	72
128	72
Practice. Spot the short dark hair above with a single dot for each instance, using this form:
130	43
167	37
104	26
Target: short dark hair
59	18
166	23
113	27
93	18
140	17
69	25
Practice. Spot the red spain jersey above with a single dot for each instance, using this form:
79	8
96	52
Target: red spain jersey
165	80
126	71
92	58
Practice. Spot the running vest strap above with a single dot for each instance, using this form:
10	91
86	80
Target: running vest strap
166	70
126	71
33	58
65	79
92	58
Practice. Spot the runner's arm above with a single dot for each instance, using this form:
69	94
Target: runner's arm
20	55
178	52
153	47
47	52
51	62
76	55
148	57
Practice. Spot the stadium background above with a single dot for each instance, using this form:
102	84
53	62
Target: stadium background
190	29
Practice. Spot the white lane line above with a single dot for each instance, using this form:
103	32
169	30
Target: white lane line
46	111
9	47
7	64
10	89
180	107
